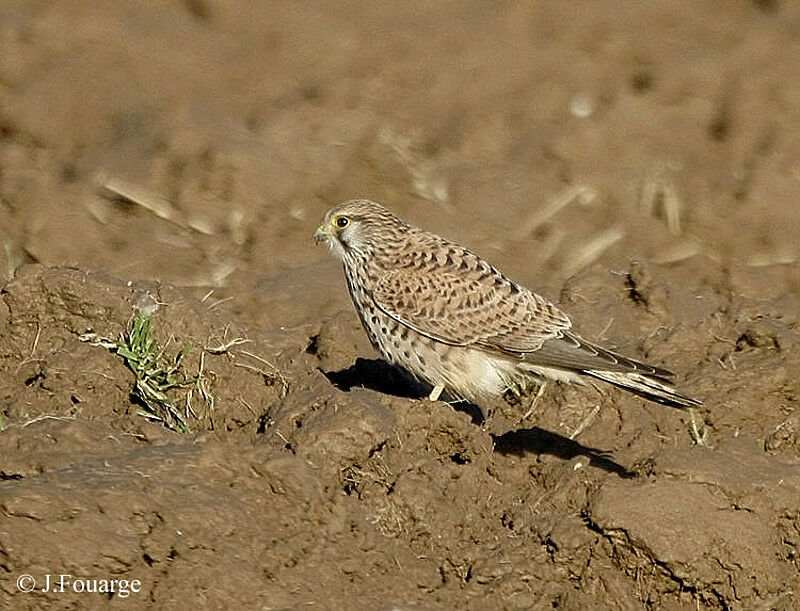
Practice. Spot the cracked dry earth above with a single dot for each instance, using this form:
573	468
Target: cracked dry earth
319	477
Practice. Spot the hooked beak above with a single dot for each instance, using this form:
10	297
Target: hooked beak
322	234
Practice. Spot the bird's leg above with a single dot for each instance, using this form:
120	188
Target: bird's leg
585	422
437	390
539	393
699	437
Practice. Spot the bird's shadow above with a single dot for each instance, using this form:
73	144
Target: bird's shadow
539	441
380	376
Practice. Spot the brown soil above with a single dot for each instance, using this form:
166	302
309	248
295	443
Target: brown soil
318	477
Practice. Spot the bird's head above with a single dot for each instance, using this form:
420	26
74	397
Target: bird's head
356	228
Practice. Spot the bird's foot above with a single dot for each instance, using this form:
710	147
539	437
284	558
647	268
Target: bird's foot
538	396
699	434
436	392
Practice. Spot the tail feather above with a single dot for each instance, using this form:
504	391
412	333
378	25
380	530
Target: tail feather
649	387
571	352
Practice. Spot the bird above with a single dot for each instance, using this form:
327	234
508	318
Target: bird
456	323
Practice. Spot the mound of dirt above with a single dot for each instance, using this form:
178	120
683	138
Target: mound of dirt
326	478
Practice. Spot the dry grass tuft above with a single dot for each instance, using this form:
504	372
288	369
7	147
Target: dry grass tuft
156	376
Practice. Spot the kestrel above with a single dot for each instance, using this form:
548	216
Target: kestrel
451	320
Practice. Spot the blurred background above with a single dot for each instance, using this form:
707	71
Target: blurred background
200	141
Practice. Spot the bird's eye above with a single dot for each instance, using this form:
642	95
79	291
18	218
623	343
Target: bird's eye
342	222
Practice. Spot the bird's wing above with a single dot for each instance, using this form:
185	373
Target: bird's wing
481	309
572	352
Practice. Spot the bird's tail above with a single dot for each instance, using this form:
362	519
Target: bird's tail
649	387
